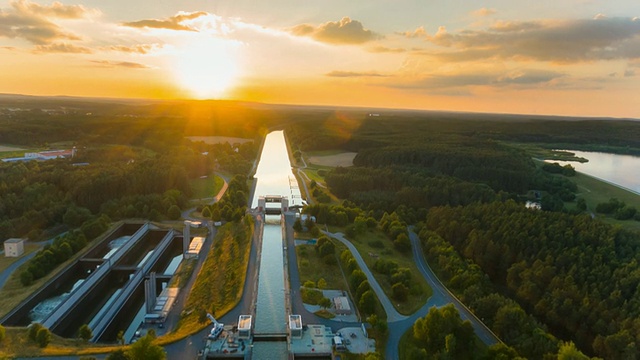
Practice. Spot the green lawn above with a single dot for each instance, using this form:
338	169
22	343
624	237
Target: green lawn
595	191
312	268
207	187
370	254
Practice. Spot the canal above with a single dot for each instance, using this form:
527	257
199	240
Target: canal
274	177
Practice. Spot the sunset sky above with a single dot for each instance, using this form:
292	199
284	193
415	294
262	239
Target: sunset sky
561	57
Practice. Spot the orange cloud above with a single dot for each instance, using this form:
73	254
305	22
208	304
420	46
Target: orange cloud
568	41
62	48
31	21
177	22
345	74
123	64
345	31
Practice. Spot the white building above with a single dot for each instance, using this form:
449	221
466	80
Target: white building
295	326
244	327
341	304
13	247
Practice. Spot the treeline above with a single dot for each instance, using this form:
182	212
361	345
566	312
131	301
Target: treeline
62	249
472	286
120	181
383	189
441	334
467	158
233	205
578	275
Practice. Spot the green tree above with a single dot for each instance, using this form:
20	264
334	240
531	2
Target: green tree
173	212
215	214
568	351
119	354
402	243
144	349
26	277
367	303
206	212
297	225
120	337
322	283
356	278
33	330
400	292
85	332
43	337
325	303
2	333
443	331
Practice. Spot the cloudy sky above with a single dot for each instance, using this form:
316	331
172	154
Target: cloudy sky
563	57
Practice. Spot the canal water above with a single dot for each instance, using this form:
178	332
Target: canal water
270	313
274	177
621	170
274	173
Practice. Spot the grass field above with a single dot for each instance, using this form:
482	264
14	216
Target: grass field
370	254
312	268
339	159
207	187
595	191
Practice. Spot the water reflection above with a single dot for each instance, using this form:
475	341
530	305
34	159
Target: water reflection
274	171
621	170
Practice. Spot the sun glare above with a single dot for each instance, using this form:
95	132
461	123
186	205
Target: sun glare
207	69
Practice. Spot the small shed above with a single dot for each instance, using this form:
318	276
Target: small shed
244	327
342	306
13	247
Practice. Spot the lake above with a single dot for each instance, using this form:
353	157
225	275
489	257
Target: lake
621	170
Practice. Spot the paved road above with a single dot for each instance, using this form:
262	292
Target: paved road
294	283
400	324
392	314
443	296
6	273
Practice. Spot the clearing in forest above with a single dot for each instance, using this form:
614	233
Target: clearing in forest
342	159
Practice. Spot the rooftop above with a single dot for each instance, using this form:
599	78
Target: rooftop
295	322
244	322
13	241
316	340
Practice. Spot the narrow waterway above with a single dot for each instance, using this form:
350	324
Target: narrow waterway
270	313
274	177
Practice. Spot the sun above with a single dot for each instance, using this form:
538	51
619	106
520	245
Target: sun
207	68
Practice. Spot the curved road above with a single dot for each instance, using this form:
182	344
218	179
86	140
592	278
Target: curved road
6	273
399	324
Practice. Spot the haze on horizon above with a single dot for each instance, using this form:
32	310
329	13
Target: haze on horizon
574	57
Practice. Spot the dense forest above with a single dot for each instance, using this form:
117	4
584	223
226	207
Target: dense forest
133	161
528	273
576	274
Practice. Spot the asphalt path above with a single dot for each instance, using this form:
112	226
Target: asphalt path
399	324
392	314
295	285
442	296
6	273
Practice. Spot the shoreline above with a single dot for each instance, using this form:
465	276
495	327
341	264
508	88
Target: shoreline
621	187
